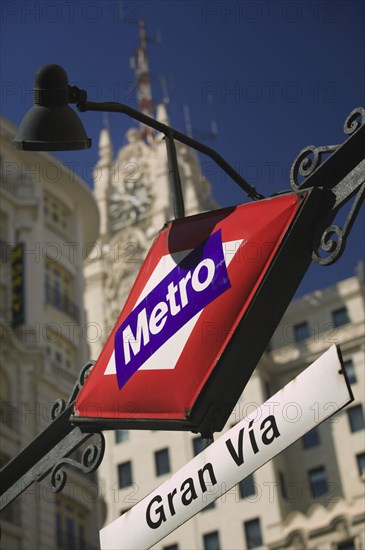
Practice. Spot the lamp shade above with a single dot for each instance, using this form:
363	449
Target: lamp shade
51	124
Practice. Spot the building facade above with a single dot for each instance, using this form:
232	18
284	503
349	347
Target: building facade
48	220
309	497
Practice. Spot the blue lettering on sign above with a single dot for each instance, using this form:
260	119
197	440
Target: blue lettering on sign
193	284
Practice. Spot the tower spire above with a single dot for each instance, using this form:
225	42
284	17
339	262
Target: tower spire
139	64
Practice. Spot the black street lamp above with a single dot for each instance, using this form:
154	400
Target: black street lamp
51	124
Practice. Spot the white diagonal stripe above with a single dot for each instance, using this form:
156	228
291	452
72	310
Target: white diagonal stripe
168	354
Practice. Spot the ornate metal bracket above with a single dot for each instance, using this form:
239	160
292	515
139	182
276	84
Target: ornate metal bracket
51	451
60	405
343	174
333	239
90	460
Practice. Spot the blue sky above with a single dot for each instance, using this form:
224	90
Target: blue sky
274	76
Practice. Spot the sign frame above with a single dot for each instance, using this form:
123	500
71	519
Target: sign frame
226	382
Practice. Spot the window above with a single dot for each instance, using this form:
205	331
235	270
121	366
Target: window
59	533
356	418
197	448
162	462
121	435
311	439
59	286
61	353
360	459
211	541
247	487
348	545
253	533
197	445
125	475
301	331
340	317
350	371
70	525
282	484
209	506
318	482
70	532
56	212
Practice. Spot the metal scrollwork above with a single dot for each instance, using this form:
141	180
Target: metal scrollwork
308	160
90	460
333	239
58	407
354	121
58	477
85	371
92	454
334	246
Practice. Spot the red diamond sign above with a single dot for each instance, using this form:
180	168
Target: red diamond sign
190	296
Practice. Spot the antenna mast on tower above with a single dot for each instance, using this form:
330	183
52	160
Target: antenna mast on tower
139	63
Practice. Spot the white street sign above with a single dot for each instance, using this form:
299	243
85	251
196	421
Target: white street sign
317	393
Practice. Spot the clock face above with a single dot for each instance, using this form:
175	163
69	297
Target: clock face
130	203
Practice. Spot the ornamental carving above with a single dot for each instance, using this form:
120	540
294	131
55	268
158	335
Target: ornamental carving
131	196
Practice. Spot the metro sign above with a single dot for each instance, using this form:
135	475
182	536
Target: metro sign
170	310
194	324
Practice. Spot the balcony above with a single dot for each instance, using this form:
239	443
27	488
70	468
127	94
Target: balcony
62	302
318	342
18	184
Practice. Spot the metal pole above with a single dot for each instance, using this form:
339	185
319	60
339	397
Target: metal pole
174	177
114	107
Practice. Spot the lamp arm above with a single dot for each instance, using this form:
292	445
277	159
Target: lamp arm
114	107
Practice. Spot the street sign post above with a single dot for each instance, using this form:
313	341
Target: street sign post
255	440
